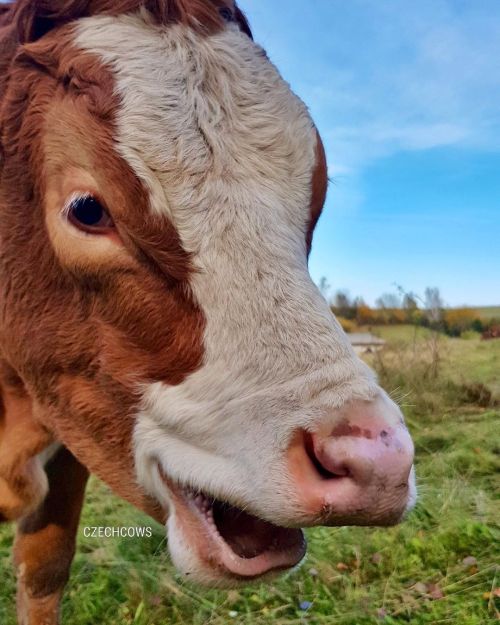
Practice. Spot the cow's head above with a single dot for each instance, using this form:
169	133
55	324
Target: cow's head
159	188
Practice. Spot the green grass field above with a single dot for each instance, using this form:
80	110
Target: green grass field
489	312
463	361
438	567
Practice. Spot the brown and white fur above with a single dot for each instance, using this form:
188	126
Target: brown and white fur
188	345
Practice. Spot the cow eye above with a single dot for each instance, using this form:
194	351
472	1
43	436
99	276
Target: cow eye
88	214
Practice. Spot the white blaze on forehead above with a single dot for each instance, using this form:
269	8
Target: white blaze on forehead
228	152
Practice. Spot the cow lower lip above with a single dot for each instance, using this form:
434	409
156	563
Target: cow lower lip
235	542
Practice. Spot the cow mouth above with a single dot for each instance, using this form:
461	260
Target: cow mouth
233	542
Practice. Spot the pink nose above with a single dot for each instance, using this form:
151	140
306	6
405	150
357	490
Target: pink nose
358	470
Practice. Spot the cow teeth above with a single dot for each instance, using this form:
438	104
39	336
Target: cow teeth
201	501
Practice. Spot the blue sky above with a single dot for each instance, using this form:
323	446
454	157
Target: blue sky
407	97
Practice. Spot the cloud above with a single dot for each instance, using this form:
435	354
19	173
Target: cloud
393	75
356	146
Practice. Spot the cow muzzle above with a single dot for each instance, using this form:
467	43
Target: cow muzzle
351	466
356	468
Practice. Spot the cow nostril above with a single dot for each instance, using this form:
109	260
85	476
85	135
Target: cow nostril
341	471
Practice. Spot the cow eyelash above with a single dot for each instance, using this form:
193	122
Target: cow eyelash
88	214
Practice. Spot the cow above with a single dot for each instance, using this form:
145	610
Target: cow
160	184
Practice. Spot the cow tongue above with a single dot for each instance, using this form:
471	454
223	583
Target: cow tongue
248	546
249	536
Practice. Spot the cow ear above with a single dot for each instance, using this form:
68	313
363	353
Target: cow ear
35	18
243	22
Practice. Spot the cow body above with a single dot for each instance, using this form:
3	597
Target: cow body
159	187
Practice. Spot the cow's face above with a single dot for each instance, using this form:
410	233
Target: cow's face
178	180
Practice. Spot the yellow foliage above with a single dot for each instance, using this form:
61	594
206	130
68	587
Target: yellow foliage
347	324
398	315
459	319
459	315
365	315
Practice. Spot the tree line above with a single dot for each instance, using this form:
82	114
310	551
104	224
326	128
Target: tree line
402	307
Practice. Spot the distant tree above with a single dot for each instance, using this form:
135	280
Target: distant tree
342	305
433	304
411	312
389	301
341	299
324	287
410	302
358	301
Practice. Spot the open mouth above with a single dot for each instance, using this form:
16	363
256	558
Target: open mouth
232	541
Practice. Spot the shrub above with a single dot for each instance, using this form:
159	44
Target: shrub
493	332
469	335
478	325
347	324
416	317
458	320
365	315
398	315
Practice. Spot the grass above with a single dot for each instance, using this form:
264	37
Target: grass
438	567
462	361
489	312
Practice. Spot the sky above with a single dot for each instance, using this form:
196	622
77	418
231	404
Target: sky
406	96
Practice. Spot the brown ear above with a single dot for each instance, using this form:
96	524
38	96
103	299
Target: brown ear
35	18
